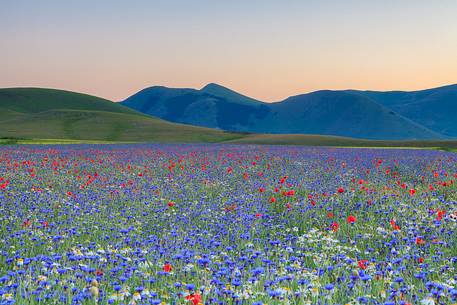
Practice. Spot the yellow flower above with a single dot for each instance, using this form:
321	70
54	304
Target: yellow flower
41	278
94	292
136	296
7	296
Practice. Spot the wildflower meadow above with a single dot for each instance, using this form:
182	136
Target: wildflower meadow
227	224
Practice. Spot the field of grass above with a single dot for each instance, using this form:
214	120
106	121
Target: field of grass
318	140
104	127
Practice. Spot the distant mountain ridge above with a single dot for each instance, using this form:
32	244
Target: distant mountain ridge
376	115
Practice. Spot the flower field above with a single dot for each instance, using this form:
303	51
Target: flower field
221	224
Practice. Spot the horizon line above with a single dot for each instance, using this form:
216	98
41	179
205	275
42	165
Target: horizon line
226	87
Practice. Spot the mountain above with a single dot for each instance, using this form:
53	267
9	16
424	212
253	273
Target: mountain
57	114
340	113
213	106
228	94
435	108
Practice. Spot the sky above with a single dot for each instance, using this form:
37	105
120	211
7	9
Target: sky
265	49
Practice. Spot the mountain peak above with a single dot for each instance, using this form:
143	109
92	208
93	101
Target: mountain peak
224	92
212	86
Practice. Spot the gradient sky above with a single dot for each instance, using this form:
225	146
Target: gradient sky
265	49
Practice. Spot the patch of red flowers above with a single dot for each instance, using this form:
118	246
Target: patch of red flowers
363	264
420	241
351	219
440	214
394	225
167	267
195	298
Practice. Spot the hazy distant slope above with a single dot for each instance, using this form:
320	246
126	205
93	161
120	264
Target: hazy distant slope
435	108
58	114
324	112
342	114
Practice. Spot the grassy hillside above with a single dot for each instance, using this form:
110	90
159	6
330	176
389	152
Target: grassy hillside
56	114
34	100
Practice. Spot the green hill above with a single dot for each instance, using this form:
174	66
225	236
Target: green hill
58	114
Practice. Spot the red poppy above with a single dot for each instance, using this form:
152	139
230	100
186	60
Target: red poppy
272	200
394	225
420	241
45	224
167	267
412	192
440	214
420	260
4	185
290	193
351	219
258	215
363	264
340	190
334	226
99	272
195	298
170	204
